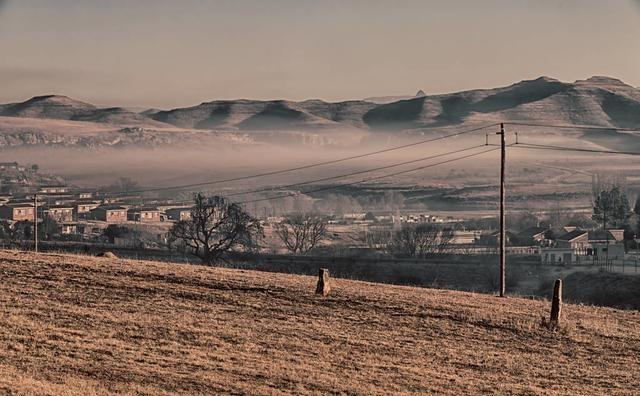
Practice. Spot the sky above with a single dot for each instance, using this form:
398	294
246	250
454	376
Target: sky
165	54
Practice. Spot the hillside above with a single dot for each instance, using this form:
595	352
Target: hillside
600	101
82	325
258	115
57	107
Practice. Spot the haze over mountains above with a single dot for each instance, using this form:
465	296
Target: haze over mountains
601	101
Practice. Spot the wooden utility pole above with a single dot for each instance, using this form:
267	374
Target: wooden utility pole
503	242
35	221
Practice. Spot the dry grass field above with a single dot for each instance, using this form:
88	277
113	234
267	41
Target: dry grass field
75	325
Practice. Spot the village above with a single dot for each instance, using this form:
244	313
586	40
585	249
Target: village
66	213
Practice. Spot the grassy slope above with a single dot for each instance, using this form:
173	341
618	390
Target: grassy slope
81	325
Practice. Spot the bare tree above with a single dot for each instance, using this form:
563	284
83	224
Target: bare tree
216	227
301	232
374	238
421	240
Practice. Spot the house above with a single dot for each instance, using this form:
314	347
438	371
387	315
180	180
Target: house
5	166
576	240
85	194
57	189
144	214
109	214
353	216
83	207
464	237
179	214
59	213
606	244
17	212
493	238
68	228
579	245
534	236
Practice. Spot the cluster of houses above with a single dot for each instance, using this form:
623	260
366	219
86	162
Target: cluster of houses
395	219
566	245
572	245
78	211
89	212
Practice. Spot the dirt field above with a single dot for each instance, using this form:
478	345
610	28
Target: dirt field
80	325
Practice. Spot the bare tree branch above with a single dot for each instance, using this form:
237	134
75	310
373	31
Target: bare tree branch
215	228
301	233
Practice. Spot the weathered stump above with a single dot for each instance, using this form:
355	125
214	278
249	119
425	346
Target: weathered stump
323	282
556	305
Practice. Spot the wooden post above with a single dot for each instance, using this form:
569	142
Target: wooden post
556	304
503	242
323	282
35	222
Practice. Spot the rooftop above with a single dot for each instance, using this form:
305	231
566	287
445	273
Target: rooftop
110	207
571	235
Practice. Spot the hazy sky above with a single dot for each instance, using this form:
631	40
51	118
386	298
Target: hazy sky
176	53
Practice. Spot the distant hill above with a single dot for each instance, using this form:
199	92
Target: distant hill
600	101
277	114
59	107
48	106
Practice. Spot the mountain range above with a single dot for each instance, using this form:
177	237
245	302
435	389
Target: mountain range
600	101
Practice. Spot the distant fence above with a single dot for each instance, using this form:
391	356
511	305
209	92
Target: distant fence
92	248
172	255
517	255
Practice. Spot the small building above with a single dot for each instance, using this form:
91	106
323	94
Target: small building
59	213
69	228
493	238
83	207
534	236
5	166
56	189
464	237
85	194
354	216
610	236
179	214
558	255
17	212
109	214
144	214
607	244
576	240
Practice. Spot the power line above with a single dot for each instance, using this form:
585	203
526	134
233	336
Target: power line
302	167
564	126
353	173
561	148
366	179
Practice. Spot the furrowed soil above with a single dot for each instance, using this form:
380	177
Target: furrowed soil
77	325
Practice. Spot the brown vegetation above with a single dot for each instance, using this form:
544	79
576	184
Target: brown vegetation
86	325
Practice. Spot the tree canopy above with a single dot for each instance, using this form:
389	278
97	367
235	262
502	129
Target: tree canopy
301	233
216	227
611	208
